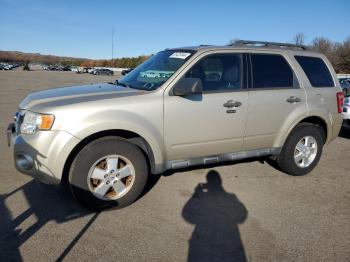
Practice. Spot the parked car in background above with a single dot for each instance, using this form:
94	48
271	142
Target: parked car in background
103	71
126	71
66	68
9	65
345	85
267	99
82	70
90	70
5	66
346	111
54	68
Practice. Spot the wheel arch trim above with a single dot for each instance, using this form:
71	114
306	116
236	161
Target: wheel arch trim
127	135
315	118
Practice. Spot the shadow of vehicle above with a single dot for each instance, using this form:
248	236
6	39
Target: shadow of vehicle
46	203
216	215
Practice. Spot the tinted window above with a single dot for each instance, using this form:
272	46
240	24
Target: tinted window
271	71
218	72
316	71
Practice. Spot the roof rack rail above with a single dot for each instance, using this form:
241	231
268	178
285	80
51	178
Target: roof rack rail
267	44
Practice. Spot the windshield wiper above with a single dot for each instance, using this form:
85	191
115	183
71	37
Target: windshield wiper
122	84
130	86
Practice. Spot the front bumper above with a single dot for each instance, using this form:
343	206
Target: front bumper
43	154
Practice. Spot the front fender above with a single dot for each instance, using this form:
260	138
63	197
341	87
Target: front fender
150	129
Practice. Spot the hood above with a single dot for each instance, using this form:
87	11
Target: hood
76	94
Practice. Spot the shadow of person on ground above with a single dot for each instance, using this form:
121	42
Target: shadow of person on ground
46	203
216	215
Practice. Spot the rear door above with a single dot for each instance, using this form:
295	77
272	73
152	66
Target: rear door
275	97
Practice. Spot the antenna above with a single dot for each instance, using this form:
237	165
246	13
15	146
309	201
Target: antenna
112	45
112	50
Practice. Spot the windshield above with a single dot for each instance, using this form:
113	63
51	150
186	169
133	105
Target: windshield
156	70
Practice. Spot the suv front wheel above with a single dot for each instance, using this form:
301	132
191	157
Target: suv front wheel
108	172
302	150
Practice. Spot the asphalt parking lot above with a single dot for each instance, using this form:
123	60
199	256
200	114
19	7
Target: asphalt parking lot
244	211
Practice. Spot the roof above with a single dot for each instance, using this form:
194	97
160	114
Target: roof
250	45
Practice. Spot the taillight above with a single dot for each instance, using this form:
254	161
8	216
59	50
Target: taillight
340	101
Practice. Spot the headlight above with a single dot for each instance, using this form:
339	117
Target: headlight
35	121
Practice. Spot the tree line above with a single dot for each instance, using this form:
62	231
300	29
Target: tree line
337	52
20	57
125	62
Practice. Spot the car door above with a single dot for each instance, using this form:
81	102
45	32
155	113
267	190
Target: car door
213	122
275	98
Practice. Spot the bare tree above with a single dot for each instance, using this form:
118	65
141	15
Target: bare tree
323	45
299	39
342	52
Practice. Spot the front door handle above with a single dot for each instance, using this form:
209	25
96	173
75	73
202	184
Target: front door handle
231	103
293	99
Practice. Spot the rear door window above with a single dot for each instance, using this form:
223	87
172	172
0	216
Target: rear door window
271	71
316	71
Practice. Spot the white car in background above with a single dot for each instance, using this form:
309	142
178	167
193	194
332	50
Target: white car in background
90	70
346	111
6	66
156	74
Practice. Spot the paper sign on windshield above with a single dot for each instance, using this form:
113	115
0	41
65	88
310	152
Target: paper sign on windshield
180	55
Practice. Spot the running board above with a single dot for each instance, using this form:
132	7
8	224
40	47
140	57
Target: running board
207	160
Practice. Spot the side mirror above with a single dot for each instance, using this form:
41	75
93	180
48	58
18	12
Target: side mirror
188	86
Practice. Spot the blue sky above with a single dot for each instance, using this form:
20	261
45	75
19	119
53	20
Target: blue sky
84	28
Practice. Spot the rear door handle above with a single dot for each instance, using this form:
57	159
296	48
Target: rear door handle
293	99
231	103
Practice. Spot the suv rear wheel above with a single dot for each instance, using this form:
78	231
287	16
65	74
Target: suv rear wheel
108	172
302	150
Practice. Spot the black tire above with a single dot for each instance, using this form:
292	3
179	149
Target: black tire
96	150
285	160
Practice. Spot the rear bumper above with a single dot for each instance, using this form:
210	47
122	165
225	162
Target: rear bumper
337	122
42	155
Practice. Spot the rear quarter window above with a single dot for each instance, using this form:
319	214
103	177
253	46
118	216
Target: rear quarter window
316	71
